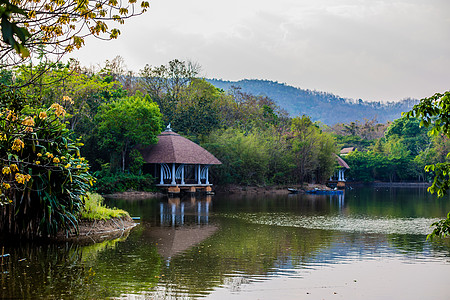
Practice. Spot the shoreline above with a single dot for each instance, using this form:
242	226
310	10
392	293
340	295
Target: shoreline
390	184
95	231
133	195
273	189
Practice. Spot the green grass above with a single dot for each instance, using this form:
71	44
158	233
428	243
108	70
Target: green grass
94	209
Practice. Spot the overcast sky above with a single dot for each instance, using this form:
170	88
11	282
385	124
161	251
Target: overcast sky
370	49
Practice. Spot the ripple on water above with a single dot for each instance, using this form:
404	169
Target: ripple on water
360	224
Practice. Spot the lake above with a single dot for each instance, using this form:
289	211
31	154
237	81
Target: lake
367	244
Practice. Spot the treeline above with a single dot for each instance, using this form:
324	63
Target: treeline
396	151
113	113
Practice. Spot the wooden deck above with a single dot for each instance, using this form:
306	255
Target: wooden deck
190	188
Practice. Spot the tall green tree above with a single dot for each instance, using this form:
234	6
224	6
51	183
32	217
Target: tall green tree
197	112
313	150
244	156
127	123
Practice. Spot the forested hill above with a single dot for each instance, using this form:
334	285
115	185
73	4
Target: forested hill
320	106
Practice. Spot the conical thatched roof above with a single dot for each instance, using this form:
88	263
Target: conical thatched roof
173	148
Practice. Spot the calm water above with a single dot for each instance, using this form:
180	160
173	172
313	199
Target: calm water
369	244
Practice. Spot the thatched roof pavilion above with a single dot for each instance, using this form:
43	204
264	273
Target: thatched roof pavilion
173	148
181	162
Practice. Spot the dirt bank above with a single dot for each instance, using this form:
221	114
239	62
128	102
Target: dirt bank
224	189
133	195
276	189
99	230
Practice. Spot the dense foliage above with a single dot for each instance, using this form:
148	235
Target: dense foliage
126	123
44	180
43	176
434	112
400	153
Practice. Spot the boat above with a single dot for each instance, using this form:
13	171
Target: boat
293	191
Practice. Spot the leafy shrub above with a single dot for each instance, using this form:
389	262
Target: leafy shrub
108	183
94	209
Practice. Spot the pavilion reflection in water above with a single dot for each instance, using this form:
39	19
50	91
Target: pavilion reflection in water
183	224
339	198
175	212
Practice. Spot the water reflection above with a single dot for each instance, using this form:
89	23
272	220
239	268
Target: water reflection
339	199
174	212
192	248
69	270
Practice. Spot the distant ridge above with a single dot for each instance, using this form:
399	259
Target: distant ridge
320	106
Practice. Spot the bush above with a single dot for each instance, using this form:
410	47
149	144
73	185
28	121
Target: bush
94	209
110	183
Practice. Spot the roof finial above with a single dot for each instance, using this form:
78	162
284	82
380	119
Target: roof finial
168	128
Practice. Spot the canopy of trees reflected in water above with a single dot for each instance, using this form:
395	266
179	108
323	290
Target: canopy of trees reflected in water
192	247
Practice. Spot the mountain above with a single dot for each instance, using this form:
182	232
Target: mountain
320	106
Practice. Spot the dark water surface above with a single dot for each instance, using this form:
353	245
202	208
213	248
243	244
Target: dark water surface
370	244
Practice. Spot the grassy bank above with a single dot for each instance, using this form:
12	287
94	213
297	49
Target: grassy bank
95	209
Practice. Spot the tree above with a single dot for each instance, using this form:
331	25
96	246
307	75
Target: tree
413	137
313	150
244	157
196	112
81	92
127	123
434	112
45	27
166	82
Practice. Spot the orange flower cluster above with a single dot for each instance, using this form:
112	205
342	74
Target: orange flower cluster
59	110
17	145
22	178
29	122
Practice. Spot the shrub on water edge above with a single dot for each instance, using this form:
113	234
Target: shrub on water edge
122	182
94	209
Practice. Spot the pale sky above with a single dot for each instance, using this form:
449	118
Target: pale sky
376	50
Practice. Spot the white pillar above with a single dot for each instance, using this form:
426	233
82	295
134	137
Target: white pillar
207	179
162	174
182	174
173	174
199	181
